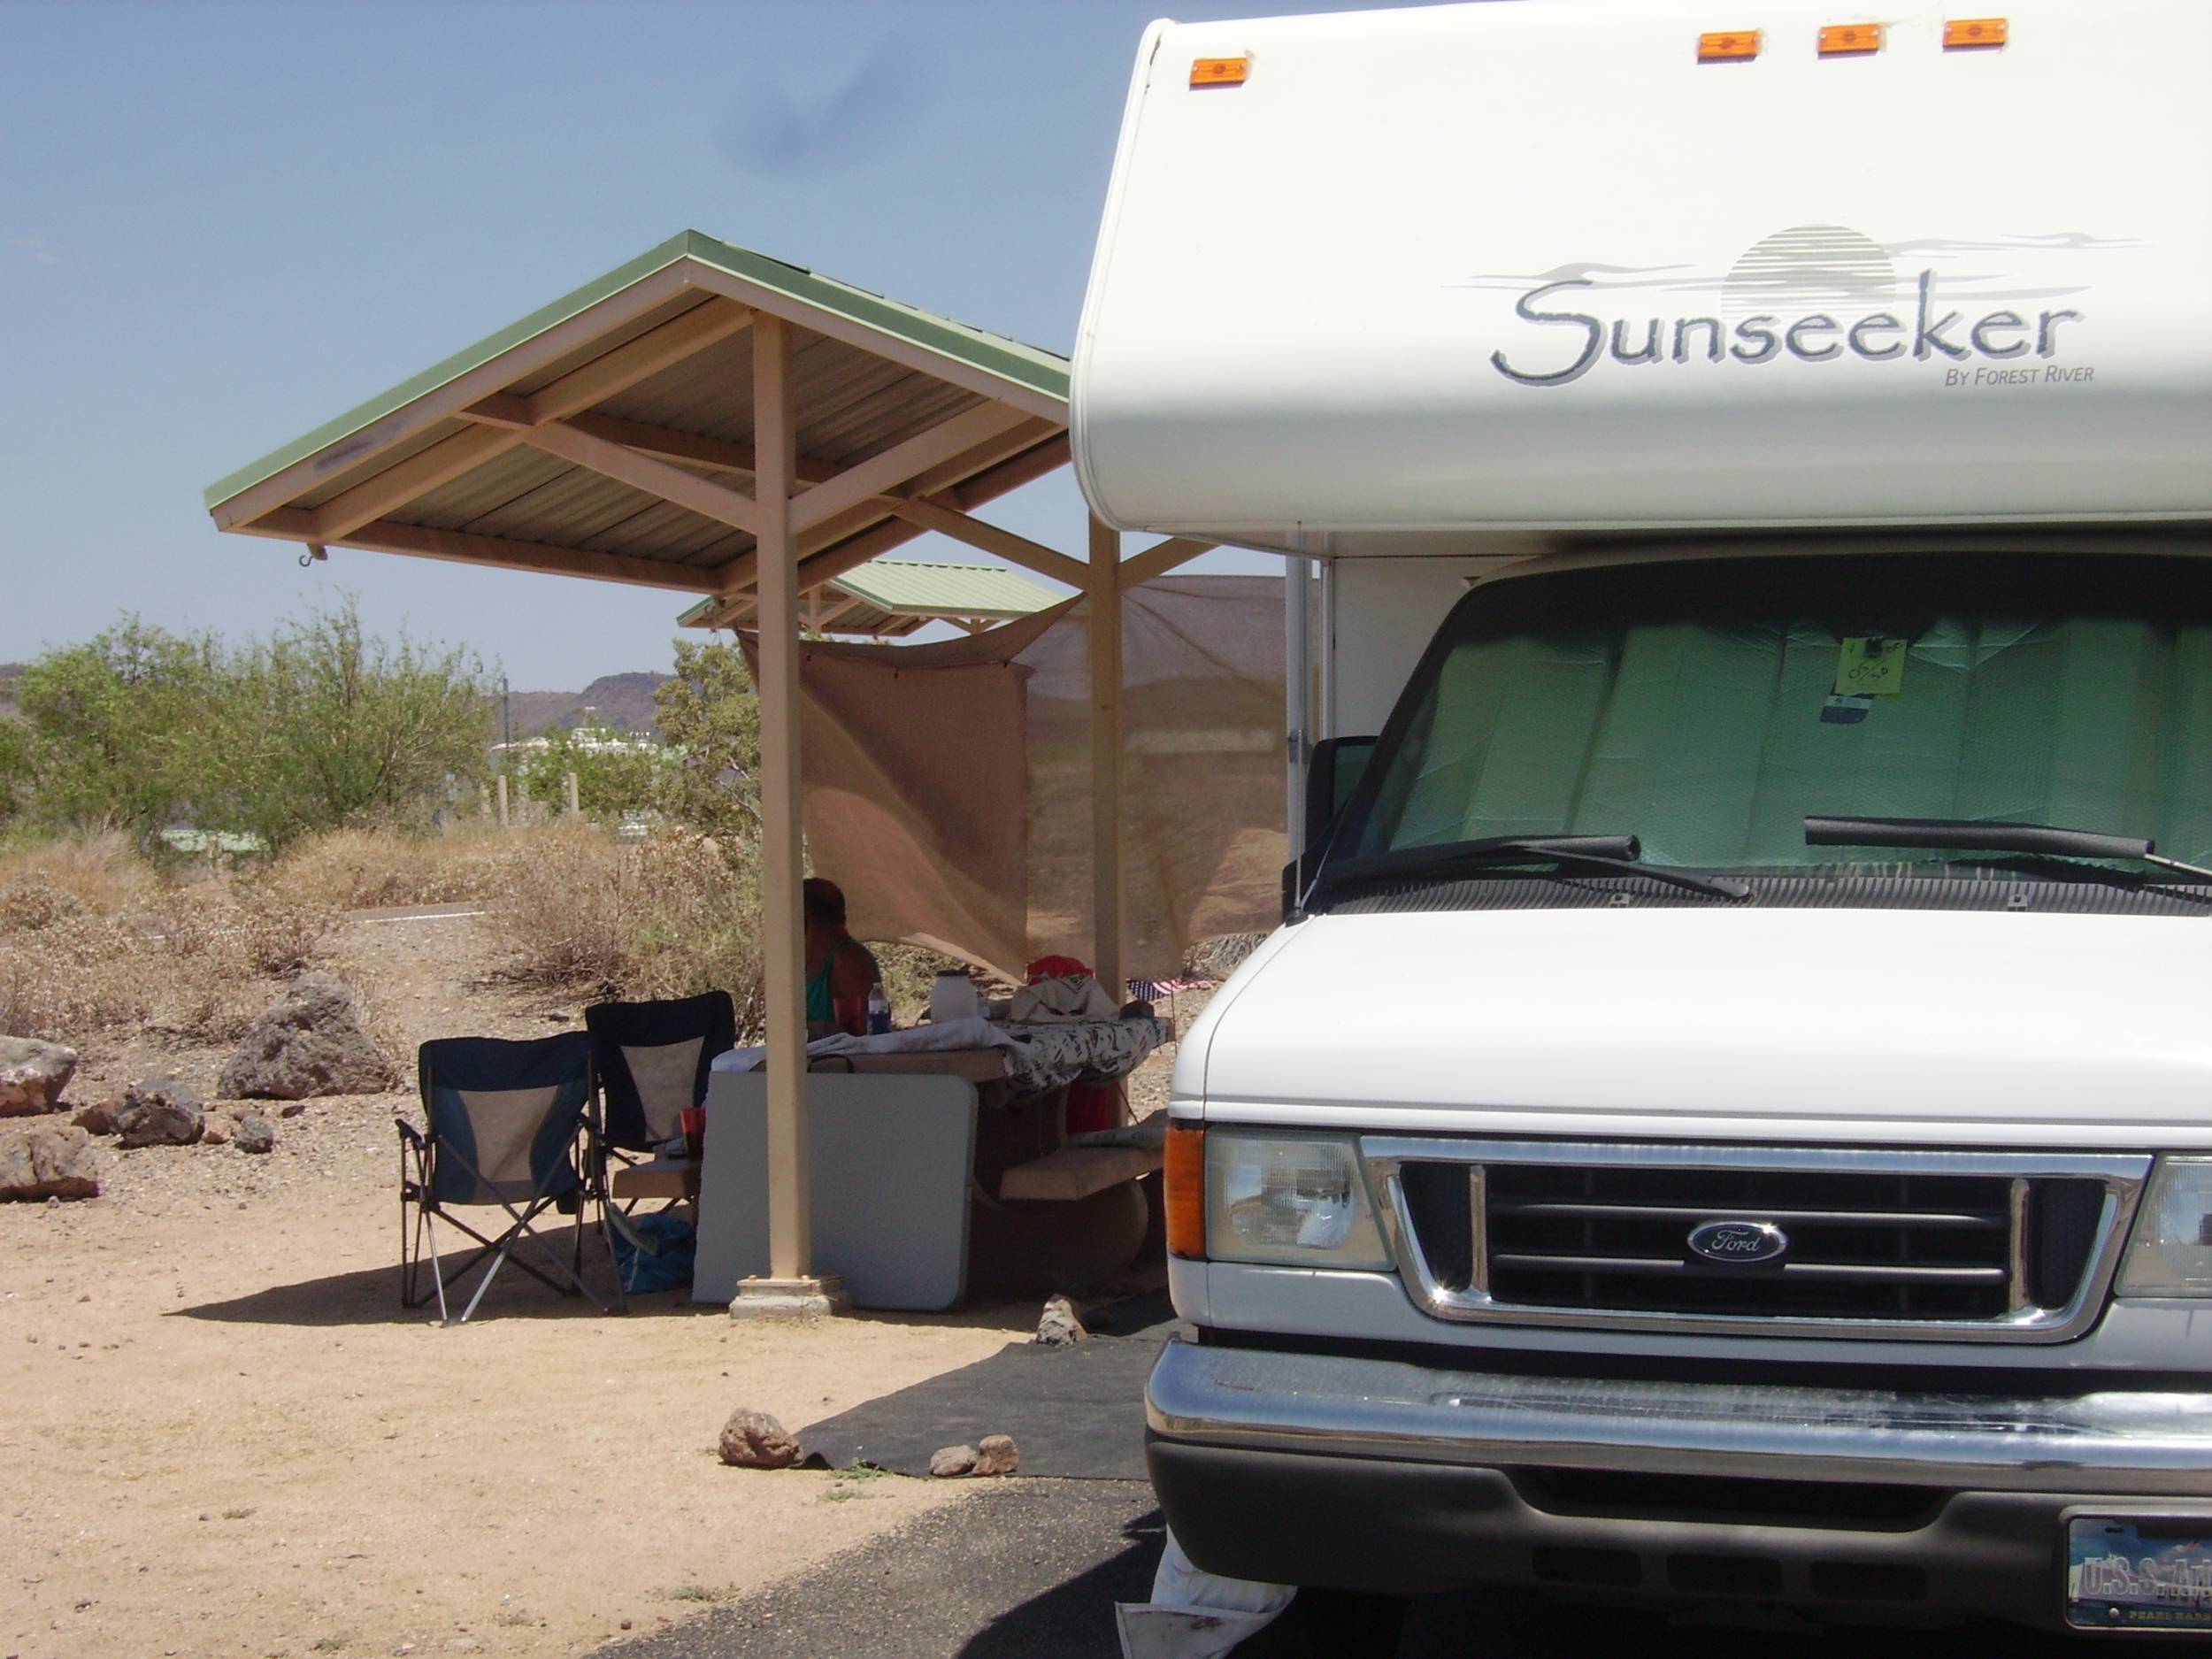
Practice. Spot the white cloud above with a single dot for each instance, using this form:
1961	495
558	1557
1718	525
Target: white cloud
37	249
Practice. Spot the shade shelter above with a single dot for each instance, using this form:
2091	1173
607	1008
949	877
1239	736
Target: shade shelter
710	420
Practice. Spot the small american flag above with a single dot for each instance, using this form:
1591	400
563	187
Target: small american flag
1152	990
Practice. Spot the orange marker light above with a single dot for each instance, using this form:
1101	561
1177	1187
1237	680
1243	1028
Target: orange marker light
1219	72
1841	40
1965	33
1728	46
1183	1183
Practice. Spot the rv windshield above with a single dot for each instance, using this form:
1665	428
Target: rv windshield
1708	706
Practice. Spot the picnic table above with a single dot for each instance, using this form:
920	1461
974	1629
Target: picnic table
1018	1202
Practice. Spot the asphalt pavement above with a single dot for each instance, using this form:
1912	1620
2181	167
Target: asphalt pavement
1031	1569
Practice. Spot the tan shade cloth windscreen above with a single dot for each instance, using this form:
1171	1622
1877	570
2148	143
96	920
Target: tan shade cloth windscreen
947	787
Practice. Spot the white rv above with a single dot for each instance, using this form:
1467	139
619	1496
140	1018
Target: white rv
1728	1116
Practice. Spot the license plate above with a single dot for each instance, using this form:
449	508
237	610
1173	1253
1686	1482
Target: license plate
2139	1574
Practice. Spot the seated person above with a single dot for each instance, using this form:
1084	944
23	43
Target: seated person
837	964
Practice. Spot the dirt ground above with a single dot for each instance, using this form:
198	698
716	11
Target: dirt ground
228	1439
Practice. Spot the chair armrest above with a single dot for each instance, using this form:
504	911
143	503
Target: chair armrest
410	1136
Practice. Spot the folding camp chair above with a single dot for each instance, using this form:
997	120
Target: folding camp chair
653	1061
503	1122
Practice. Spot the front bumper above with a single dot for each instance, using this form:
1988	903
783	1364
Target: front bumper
1384	1475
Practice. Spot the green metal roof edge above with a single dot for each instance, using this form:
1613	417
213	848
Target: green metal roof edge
1009	359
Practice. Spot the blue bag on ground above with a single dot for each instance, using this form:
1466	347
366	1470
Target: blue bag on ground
653	1252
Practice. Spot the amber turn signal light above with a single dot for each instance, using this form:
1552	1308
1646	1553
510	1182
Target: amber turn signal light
1961	33
1219	72
1727	46
1843	40
1183	1184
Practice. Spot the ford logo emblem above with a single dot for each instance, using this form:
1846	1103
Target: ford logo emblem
1738	1241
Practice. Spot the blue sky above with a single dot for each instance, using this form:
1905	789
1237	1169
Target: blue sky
222	224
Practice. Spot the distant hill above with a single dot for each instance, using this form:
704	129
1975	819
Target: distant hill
623	701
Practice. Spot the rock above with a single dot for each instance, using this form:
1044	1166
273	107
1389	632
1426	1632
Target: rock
159	1112
297	1109
99	1118
49	1161
753	1440
33	1075
1059	1326
215	1129
949	1461
996	1454
311	1043
254	1135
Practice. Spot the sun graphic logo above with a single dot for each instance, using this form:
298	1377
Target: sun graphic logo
1809	268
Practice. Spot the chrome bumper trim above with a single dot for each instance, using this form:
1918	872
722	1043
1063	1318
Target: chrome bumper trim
2110	1444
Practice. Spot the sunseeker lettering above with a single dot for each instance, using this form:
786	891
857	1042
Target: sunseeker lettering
1932	331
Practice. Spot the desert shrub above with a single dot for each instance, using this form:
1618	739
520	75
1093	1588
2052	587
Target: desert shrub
671	916
65	971
91	940
322	723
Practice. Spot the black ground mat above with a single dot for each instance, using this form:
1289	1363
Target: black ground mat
1075	1413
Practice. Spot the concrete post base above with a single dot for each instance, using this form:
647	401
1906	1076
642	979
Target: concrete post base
790	1298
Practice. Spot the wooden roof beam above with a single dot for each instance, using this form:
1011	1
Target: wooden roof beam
865	482
1015	550
501	552
727	455
499	427
1160	558
644	472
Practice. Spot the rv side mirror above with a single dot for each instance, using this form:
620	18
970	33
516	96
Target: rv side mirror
1331	776
1332	773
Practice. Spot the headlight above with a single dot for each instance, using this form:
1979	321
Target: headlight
2170	1253
1299	1200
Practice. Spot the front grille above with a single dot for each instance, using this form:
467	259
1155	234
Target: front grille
2005	1242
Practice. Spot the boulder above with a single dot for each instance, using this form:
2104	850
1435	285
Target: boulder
33	1075
947	1462
996	1454
99	1117
216	1128
753	1440
252	1134
1059	1326
311	1043
159	1112
47	1161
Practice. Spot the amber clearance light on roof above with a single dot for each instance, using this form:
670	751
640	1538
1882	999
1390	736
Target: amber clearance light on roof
1844	40
1728	46
1219	72
1961	34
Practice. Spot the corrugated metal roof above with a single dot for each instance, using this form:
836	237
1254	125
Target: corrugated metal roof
1028	366
921	588
886	598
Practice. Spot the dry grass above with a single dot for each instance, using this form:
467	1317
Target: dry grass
104	870
92	939
370	869
673	916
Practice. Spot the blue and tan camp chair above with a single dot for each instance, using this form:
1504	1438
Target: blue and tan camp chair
653	1060
505	1119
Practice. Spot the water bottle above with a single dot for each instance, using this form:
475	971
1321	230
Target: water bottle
879	1011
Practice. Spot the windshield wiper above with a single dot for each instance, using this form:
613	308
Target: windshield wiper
2036	840
1606	852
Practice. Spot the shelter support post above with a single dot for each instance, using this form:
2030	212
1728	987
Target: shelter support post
1102	582
787	1291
